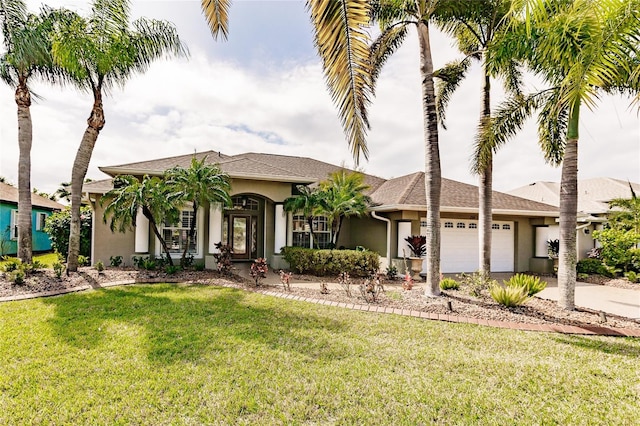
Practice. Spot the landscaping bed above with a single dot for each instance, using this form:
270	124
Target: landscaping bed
534	311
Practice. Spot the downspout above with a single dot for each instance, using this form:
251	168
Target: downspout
388	221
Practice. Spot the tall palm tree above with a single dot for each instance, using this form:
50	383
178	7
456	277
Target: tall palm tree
151	195
351	68
475	25
28	53
305	202
101	52
342	196
581	48
199	184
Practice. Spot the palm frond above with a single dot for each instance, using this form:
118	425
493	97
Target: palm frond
448	79
217	14
342	43
506	120
552	128
383	47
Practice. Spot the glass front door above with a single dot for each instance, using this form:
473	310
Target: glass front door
240	232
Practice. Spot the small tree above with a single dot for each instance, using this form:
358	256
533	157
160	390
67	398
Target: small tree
340	196
199	184
58	227
151	195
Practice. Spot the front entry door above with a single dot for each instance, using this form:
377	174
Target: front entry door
240	233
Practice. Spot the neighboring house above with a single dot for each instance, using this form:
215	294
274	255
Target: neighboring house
258	226
593	206
41	209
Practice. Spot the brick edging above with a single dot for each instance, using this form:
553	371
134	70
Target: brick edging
548	328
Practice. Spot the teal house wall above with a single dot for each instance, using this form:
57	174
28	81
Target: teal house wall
40	207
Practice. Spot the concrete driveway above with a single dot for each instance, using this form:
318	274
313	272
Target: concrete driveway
612	300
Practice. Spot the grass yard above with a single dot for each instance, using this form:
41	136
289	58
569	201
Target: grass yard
190	354
46	258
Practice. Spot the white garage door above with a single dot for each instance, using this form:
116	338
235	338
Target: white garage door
459	250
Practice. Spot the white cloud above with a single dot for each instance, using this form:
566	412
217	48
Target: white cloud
282	106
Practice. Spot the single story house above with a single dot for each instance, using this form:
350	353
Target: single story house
41	209
258	226
594	196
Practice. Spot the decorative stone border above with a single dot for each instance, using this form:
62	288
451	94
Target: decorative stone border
549	328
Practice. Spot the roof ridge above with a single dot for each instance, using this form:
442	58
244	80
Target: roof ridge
288	172
170	157
409	188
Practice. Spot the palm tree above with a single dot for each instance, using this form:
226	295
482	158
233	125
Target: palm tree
199	184
28	54
101	52
306	202
151	195
351	68
475	25
342	196
581	48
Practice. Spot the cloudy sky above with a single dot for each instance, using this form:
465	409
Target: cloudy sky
263	91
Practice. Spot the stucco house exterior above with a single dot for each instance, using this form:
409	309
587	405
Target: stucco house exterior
594	196
41	209
258	226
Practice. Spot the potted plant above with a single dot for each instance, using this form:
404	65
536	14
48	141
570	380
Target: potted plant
553	250
418	246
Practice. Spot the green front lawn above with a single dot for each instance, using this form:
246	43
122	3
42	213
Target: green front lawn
167	354
47	259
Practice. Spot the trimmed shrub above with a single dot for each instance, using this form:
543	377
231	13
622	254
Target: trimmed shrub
529	283
508	296
84	260
99	266
331	262
449	284
115	261
590	266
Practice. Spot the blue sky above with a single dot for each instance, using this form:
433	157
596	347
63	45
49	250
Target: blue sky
263	91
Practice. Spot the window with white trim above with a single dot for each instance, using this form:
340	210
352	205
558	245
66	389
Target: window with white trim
176	234
495	226
506	227
448	224
14	224
321	232
41	219
460	225
473	225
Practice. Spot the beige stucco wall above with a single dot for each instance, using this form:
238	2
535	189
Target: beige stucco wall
107	243
276	191
367	232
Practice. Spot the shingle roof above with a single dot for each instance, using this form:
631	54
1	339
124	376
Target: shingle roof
409	190
404	191
275	167
158	166
593	194
9	194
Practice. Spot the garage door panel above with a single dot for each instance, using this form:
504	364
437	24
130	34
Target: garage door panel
459	248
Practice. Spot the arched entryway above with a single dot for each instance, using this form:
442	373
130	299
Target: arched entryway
243	226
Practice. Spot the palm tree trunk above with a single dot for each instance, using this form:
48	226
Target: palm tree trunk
95	123
147	213
433	177
568	215
485	187
25	135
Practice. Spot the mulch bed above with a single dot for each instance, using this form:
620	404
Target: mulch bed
535	311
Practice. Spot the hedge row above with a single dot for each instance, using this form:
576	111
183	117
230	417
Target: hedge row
331	262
